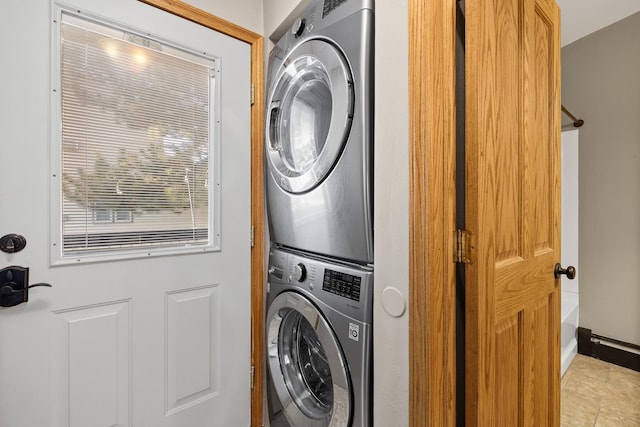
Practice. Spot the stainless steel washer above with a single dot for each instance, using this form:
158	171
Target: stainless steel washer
318	342
319	132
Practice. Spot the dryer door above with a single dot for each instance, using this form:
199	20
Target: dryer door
306	363
309	113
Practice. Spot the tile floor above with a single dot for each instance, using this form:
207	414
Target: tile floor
597	393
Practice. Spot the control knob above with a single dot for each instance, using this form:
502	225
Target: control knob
298	27
299	272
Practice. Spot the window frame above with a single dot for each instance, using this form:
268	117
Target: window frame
57	255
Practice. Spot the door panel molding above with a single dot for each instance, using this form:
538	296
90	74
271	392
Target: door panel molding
193	321
256	42
96	387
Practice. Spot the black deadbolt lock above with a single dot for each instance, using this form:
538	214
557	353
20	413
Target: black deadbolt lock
14	286
11	243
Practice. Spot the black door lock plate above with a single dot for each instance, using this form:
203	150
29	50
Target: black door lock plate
14	286
11	243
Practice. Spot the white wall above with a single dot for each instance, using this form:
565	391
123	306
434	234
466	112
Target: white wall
601	85
391	199
570	298
570	204
279	15
246	13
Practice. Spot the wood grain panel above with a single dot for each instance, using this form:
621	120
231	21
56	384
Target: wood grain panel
512	56
432	213
257	219
542	82
508	399
256	41
505	121
513	289
553	343
541	368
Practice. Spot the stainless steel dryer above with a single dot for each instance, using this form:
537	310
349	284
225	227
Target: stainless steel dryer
318	342
319	138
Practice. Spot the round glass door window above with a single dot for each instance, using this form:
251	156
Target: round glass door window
306	364
305	368
309	115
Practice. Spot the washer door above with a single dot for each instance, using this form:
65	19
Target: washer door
307	365
309	115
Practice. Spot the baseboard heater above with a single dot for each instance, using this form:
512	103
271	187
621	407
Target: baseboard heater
608	349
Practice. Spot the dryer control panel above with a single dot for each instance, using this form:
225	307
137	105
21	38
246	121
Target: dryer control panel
329	5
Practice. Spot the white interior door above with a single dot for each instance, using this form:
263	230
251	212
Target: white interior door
153	341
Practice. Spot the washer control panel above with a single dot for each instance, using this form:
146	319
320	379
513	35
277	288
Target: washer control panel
343	284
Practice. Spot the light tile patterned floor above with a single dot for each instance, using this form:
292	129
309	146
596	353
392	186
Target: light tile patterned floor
600	394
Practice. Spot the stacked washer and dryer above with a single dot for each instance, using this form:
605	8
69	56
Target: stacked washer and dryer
319	185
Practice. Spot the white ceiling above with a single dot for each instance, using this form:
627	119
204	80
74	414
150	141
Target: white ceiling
582	17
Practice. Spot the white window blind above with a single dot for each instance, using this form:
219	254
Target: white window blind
136	116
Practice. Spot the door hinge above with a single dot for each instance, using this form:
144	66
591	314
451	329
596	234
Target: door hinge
252	96
252	234
253	374
463	249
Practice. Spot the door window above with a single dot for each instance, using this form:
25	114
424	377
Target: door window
135	139
305	367
309	115
305	114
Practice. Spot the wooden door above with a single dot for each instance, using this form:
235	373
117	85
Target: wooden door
513	212
151	339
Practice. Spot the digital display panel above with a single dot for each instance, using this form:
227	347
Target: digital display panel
343	284
329	5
